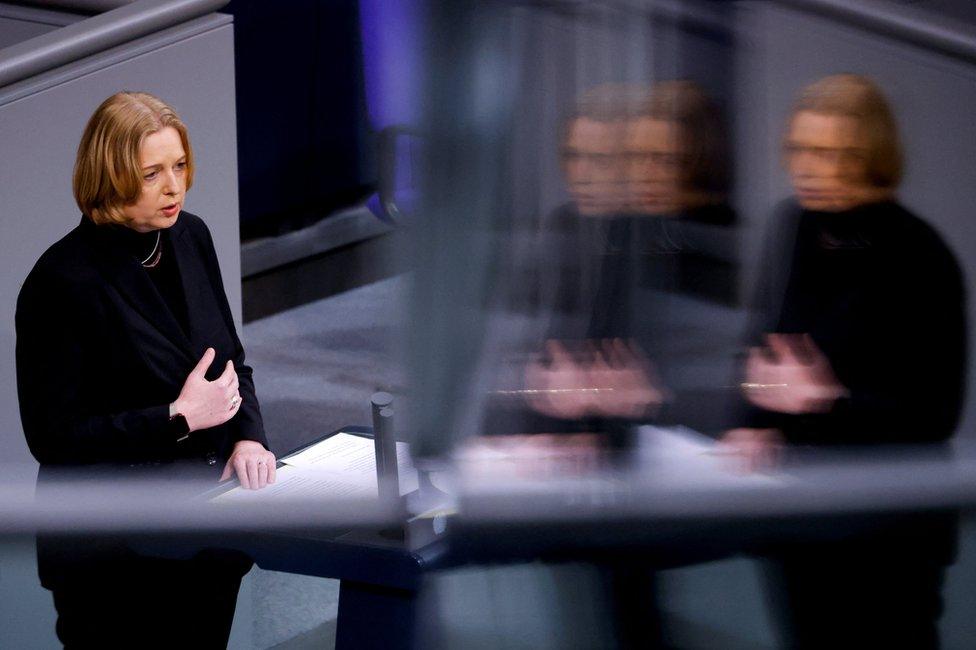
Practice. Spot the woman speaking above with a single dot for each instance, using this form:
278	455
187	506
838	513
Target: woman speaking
127	353
861	342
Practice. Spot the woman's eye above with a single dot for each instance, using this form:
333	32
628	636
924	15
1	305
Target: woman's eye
151	175
181	165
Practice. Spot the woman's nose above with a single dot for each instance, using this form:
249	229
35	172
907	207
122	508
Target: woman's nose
171	184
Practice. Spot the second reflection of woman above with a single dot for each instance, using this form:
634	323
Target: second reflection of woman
648	236
861	341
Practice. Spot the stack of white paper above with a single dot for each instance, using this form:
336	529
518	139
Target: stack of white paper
342	465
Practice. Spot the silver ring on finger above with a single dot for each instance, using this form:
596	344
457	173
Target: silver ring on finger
234	401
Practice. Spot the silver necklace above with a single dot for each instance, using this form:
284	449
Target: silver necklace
156	253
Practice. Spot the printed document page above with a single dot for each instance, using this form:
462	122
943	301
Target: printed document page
342	465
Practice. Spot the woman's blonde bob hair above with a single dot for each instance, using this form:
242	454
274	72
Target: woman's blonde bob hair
108	175
857	97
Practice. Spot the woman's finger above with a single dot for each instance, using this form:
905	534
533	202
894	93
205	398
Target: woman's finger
228	470
782	348
240	466
599	361
228	380
225	376
618	353
558	354
262	473
200	370
272	468
252	473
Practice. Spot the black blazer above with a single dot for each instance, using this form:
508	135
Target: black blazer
100	355
883	297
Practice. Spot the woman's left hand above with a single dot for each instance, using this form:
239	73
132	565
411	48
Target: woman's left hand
255	465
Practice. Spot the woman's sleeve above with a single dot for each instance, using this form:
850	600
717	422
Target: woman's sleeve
248	423
920	380
913	383
57	372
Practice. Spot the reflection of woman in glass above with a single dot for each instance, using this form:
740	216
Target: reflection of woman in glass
127	353
678	177
648	172
648	246
862	341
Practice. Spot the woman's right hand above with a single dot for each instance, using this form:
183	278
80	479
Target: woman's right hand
206	404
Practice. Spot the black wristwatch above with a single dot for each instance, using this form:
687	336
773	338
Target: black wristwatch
178	425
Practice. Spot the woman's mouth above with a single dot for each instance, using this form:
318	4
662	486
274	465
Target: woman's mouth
171	210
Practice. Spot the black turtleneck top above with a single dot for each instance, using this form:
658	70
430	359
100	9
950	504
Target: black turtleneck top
165	275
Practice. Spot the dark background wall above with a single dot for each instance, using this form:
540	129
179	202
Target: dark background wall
305	148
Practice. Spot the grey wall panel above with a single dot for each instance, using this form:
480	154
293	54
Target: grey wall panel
39	15
14	31
933	95
39	135
118	54
87	6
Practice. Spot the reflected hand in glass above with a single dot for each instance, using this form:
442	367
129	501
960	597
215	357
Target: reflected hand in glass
758	449
613	379
791	375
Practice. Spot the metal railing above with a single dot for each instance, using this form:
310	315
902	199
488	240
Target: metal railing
96	34
75	6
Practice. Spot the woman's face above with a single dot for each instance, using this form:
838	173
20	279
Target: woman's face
826	157
162	162
591	162
656	160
